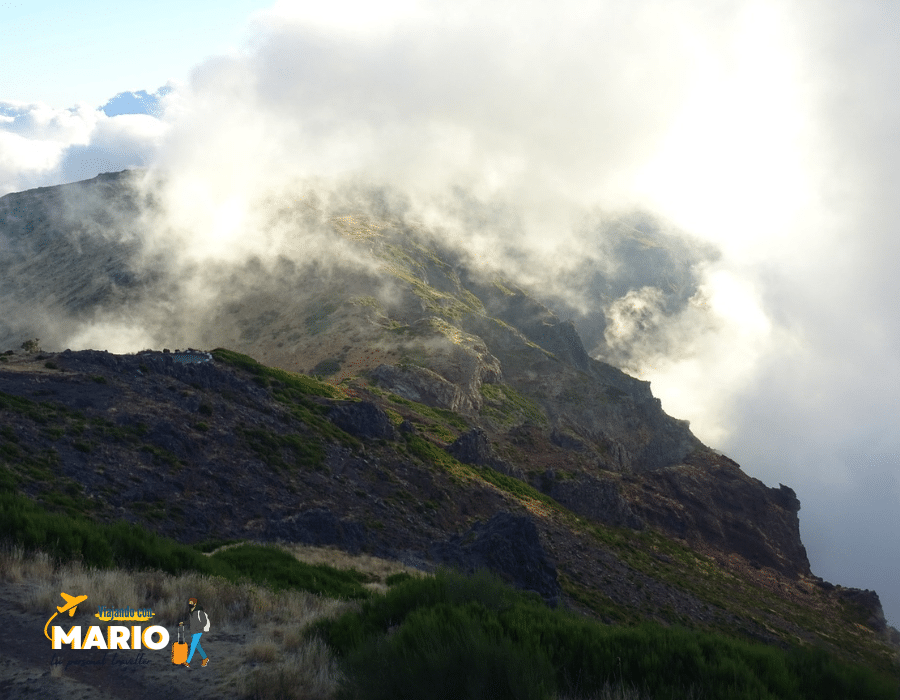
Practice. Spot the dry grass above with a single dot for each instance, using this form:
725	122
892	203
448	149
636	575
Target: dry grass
225	602
262	650
309	672
278	664
376	568
16	566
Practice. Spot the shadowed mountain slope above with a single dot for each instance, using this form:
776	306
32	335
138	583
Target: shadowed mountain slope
406	406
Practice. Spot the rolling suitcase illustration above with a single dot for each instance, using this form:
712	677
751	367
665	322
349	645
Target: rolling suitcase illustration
179	648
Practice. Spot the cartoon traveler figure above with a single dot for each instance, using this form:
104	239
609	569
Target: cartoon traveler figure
199	623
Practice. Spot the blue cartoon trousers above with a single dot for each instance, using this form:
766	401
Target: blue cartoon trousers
195	646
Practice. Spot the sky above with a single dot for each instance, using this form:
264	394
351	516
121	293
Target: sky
761	134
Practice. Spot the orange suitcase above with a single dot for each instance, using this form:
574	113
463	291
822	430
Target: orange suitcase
179	649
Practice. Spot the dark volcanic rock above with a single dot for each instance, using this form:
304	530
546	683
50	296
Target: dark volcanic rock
720	505
319	527
509	546
869	605
566	441
472	447
597	499
362	419
170	437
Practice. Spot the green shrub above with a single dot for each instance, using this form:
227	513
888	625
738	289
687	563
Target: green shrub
448	652
307	451
381	612
278	569
424	635
208	546
399	577
293	384
68	537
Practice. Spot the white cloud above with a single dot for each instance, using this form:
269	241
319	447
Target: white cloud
41	146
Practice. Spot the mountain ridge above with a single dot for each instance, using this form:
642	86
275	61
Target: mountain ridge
458	410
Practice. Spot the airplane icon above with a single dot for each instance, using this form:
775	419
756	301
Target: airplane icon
71	603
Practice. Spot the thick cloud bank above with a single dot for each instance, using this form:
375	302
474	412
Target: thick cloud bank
708	190
42	145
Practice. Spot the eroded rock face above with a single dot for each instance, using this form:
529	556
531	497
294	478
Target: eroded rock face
594	498
710	500
362	419
419	384
869	605
610	413
473	447
449	365
509	546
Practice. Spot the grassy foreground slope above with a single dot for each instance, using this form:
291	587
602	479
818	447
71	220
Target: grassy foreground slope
438	636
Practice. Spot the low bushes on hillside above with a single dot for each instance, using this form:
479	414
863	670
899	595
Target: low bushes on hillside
454	637
25	524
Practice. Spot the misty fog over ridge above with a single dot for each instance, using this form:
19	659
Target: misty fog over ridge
638	272
766	130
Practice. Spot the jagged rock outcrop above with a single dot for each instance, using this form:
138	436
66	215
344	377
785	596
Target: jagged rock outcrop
615	415
456	365
567	441
509	546
202	375
709	499
419	384
362	419
869	606
459	357
535	321
594	498
473	447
